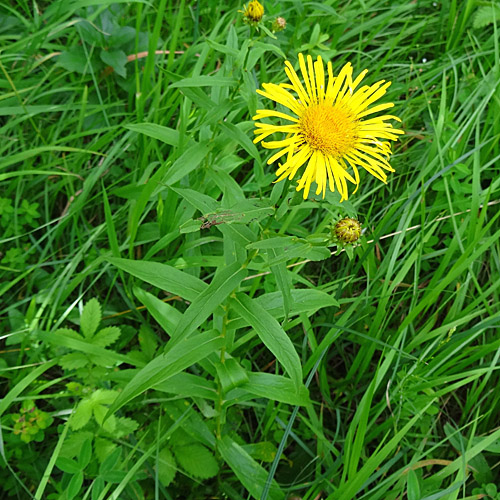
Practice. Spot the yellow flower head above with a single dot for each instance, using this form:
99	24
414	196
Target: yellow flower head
253	12
328	132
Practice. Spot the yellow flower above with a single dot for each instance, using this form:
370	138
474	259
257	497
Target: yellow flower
328	130
253	12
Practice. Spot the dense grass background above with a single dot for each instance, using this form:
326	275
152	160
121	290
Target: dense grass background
109	164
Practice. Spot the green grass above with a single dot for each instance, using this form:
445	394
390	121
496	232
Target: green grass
146	357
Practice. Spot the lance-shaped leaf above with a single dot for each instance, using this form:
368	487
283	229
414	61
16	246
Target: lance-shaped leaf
207	301
252	475
163	276
271	333
179	357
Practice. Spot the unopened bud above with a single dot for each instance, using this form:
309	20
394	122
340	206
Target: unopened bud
279	24
347	230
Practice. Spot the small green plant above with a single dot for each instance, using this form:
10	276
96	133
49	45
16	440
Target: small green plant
488	490
89	367
30	422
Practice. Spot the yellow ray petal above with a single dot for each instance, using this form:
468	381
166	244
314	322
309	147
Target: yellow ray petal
338	175
382	165
308	176
294	162
275	128
364	93
339	80
319	71
381	119
331	182
360	77
376	109
280	96
312	78
356	177
277	155
305	77
320	174
373	169
331	80
280	144
296	84
375	96
300	159
267	113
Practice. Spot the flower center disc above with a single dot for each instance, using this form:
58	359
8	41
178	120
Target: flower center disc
328	129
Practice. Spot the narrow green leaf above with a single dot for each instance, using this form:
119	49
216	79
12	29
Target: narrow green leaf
50	466
413	486
209	300
189	385
97	487
205	81
271	333
247	470
30	153
184	354
349	490
472	452
187	162
230	51
241	138
307	300
167	316
137	209
110	461
110	225
280	273
278	242
264	451
205	204
163	134
276	388
163	276
190	226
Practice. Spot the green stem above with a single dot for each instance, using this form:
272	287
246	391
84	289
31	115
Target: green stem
219	408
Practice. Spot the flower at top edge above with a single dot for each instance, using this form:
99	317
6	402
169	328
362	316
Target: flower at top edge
330	134
253	12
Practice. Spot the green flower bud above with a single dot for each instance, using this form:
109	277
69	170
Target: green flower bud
347	230
279	24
